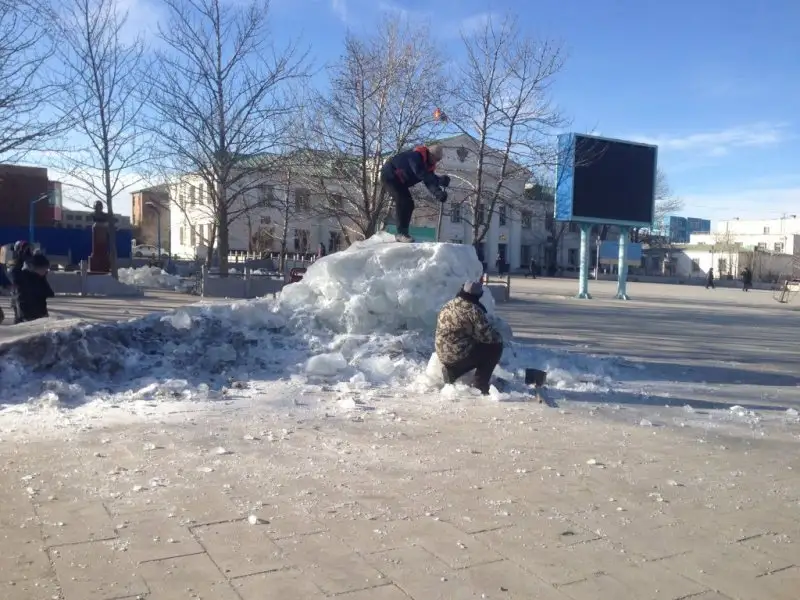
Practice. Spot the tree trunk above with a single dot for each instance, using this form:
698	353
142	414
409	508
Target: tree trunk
112	228
224	233
212	239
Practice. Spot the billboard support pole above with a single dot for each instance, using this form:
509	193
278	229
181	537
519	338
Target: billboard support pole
622	268
583	274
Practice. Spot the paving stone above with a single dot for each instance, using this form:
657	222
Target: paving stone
333	567
277	585
95	571
22	555
555	563
368	536
662	542
506	580
734	570
30	589
186	577
385	592
420	574
146	536
652	581
239	548
74	522
452	546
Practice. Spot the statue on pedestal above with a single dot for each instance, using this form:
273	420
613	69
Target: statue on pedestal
100	259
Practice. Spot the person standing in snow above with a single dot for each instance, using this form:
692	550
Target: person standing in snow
405	170
747	279
710	279
33	289
465	338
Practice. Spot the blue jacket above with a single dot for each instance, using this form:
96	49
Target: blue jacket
408	168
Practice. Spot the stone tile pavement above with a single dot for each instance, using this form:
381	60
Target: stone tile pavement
499	502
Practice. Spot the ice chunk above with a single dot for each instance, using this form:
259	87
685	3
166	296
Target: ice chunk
381	286
152	277
326	364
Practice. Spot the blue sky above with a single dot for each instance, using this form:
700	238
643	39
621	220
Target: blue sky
714	82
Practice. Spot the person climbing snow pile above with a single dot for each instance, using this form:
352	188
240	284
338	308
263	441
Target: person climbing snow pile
405	170
466	340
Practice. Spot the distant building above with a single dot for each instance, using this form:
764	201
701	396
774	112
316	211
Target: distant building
148	207
82	219
20	190
678	230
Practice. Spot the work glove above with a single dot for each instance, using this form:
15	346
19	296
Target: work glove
444	181
442	196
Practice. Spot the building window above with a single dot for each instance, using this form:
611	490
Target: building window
549	221
524	254
266	220
766	230
192	196
182	235
762	246
266	195
572	257
202	193
301	237
722	266
501	215
335	201
455	213
334	241
481	216
573	227
695	266
302	200
779	247
192	237
527	219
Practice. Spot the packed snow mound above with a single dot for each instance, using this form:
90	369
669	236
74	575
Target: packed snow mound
151	277
379	285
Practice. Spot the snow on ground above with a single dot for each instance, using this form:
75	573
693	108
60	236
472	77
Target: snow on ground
150	277
355	335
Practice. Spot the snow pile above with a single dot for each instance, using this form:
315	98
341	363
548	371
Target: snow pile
375	286
150	277
361	319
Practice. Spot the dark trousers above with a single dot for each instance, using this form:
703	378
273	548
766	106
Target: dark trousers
482	359
403	202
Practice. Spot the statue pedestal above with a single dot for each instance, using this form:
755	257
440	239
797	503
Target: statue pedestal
100	258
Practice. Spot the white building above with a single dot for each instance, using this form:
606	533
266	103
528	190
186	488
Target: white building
779	236
518	235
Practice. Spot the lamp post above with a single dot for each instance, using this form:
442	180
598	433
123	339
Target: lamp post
31	214
153	206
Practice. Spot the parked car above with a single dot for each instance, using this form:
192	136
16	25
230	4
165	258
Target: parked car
148	251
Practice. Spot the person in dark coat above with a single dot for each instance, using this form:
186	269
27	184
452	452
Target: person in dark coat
533	267
710	279
405	170
33	289
747	279
23	254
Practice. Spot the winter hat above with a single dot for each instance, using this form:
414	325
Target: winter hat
39	261
474	288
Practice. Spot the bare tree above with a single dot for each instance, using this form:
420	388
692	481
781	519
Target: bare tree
220	100
101	96
382	94
667	202
501	98
26	93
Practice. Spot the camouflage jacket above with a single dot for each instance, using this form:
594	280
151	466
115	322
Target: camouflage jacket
461	325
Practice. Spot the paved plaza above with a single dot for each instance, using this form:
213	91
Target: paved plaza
447	500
